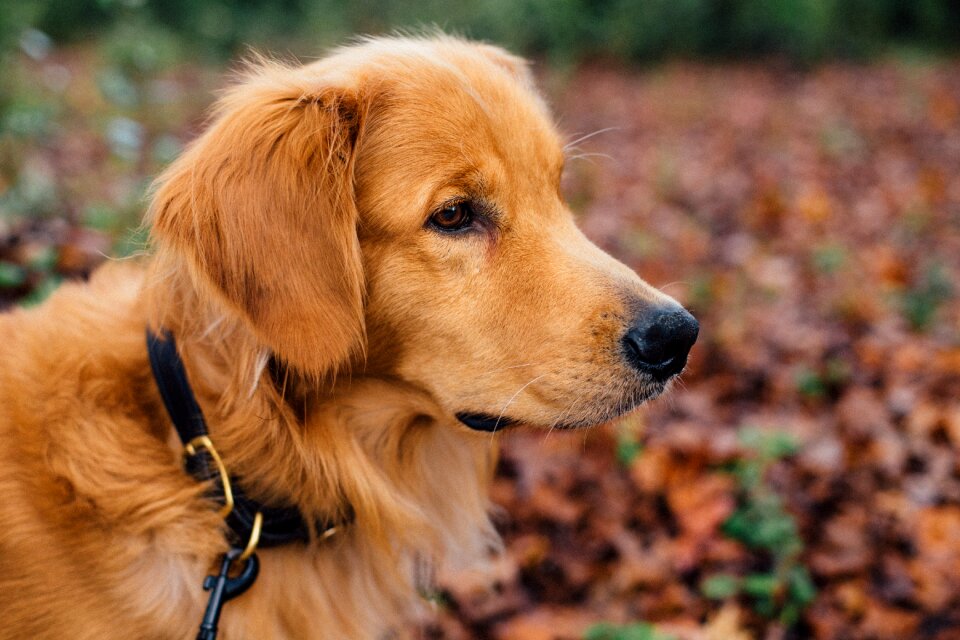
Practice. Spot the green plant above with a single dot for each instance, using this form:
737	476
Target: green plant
633	631
43	267
629	445
824	380
47	285
11	275
920	303
810	384
563	30
763	525
829	258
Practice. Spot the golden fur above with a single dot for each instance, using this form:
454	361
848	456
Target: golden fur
294	227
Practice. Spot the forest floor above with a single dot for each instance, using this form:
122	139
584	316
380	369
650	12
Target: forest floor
803	479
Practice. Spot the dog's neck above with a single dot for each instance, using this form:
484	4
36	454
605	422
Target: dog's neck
369	444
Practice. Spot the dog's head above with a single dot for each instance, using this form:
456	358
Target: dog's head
395	209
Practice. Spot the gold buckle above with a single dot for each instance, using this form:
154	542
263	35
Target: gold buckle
254	537
204	442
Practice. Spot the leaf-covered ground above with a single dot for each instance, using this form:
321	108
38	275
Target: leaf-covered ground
803	480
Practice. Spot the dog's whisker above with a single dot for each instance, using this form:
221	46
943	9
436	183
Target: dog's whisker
589	161
588	136
664	287
588	155
563	414
514	397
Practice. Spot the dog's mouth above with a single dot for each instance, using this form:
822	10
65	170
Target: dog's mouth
485	421
593	416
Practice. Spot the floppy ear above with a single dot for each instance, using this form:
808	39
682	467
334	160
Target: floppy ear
262	206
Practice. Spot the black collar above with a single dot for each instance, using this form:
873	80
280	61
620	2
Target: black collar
280	525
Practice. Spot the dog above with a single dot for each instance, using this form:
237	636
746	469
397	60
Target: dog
368	270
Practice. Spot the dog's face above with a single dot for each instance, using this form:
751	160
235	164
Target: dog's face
446	254
480	286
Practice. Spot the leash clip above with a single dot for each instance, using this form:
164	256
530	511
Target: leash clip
223	588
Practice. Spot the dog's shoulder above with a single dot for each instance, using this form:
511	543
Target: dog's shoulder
76	313
81	463
72	360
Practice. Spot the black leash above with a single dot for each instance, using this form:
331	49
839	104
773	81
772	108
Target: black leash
251	523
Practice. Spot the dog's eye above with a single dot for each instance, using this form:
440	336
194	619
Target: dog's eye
454	217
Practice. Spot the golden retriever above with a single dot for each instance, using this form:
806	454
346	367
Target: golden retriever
368	267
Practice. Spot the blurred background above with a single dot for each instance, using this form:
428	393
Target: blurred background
789	170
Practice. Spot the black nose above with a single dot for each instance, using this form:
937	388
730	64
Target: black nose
659	341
